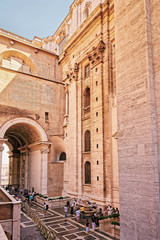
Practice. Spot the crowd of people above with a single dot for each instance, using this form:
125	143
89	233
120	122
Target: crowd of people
76	208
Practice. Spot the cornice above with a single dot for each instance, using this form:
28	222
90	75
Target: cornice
13	37
97	11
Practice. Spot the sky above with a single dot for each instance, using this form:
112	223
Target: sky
29	18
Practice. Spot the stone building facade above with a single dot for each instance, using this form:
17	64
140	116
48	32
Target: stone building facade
87	122
32	110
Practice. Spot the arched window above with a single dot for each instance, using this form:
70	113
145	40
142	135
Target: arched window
87	173
62	156
87	141
87	97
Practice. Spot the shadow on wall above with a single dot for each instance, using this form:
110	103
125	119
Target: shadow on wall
58	149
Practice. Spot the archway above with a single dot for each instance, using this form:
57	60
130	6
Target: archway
28	157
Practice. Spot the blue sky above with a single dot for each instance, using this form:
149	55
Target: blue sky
29	18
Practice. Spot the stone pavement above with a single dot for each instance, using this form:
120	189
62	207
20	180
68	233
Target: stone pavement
29	230
65	229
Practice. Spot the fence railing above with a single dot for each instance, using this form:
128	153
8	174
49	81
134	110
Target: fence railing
47	233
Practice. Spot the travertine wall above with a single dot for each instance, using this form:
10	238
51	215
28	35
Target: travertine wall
137	25
30	86
91	45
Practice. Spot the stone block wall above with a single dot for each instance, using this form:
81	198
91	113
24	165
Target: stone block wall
136	69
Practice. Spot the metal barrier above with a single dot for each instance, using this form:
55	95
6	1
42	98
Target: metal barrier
44	230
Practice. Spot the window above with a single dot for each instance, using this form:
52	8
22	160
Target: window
62	156
87	71
46	116
87	141
87	173
87	97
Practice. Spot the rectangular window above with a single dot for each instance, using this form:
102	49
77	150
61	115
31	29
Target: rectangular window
46	116
87	71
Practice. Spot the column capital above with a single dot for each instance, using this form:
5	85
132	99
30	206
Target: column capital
39	146
45	150
10	153
3	140
23	149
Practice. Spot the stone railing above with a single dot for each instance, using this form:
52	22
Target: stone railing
52	202
47	233
2	234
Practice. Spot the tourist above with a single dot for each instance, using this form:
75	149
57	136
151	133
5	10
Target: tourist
21	190
117	211
68	204
87	227
113	210
78	214
46	207
65	211
31	199
93	224
72	205
94	205
82	211
109	210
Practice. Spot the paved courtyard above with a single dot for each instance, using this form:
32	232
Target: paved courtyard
65	229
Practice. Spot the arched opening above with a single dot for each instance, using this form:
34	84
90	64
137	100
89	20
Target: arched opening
29	154
87	97
62	156
18	61
87	141
87	173
5	166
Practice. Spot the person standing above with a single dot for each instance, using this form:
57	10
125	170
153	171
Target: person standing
72	205
82	211
65	211
93	224
87	227
78	214
46	207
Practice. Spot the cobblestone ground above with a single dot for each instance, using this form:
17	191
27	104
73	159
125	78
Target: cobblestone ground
65	229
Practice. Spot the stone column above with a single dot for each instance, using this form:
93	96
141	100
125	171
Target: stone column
44	169
67	106
25	168
1	150
2	141
10	167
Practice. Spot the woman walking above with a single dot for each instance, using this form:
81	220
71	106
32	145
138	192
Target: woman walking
87	227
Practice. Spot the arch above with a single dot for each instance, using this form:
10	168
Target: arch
87	172
87	97
28	121
62	156
87	141
17	54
